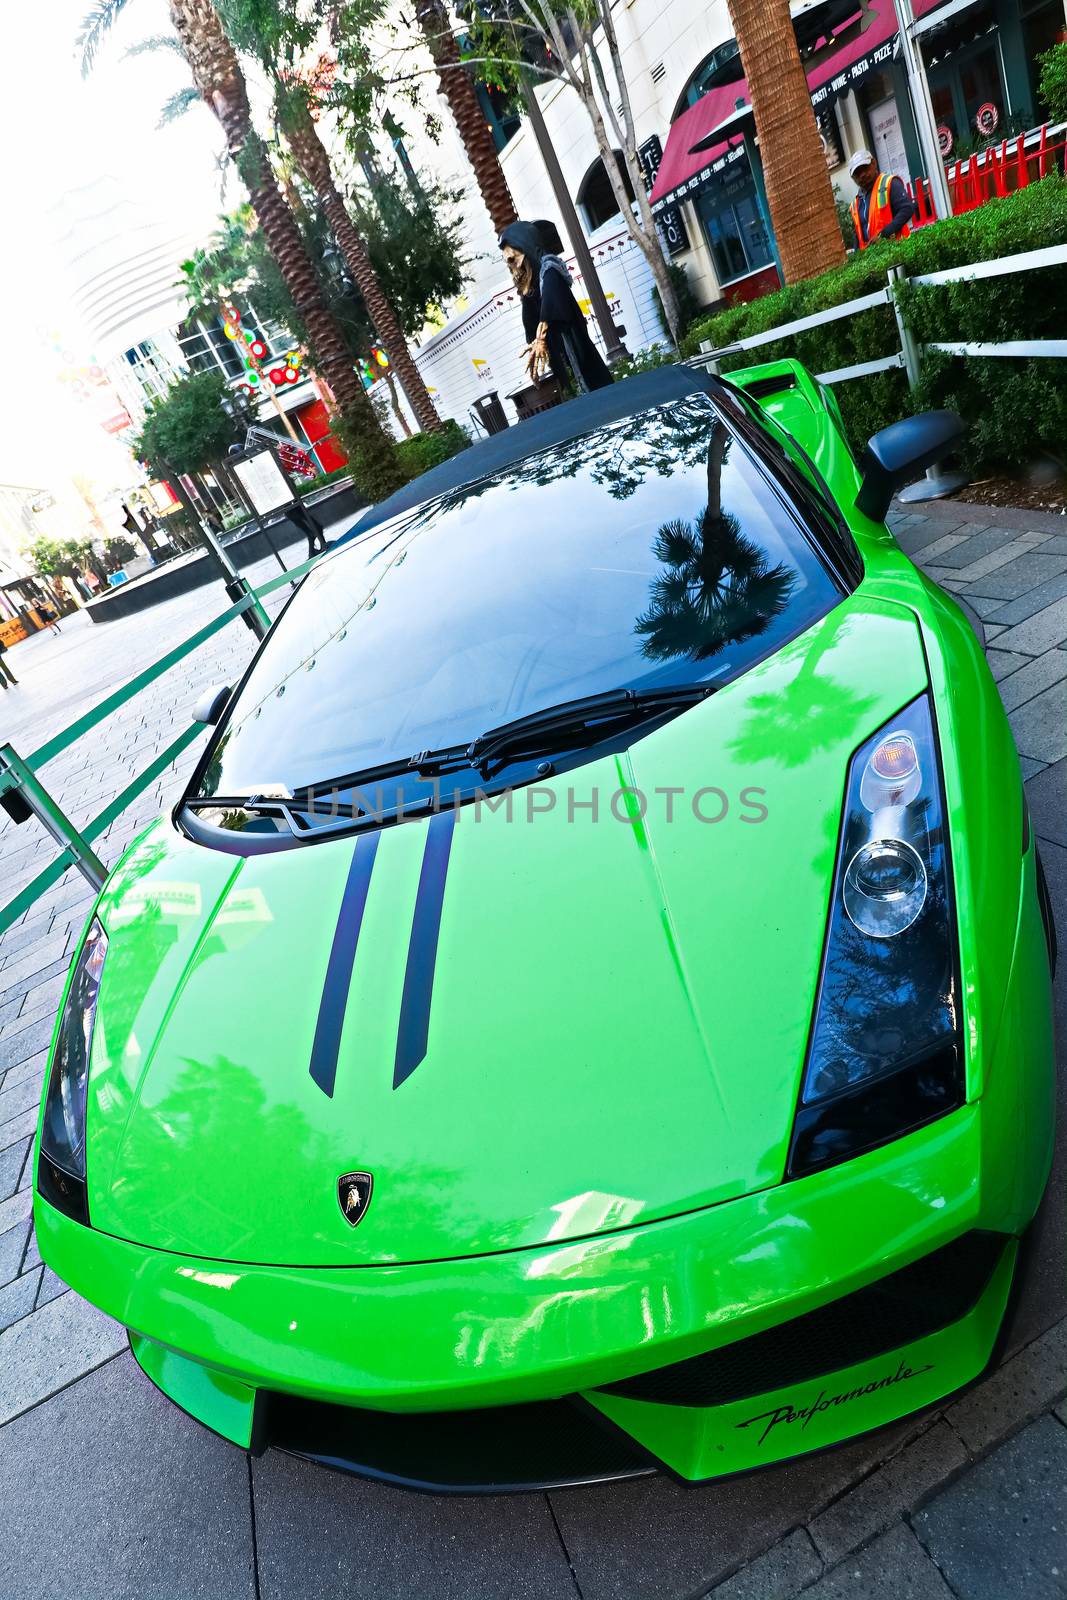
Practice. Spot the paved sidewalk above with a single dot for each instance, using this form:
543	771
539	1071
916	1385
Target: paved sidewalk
107	1490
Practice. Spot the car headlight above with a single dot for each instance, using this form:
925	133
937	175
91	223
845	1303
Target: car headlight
884	1055
61	1168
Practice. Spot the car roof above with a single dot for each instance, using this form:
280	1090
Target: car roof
582	415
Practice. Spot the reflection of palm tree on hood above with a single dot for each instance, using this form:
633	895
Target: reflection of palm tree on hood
718	587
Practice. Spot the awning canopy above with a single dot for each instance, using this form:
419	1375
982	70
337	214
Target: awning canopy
705	137
682	165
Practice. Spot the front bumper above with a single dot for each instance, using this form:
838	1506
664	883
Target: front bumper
539	1325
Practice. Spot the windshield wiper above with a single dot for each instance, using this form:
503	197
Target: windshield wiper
539	729
596	714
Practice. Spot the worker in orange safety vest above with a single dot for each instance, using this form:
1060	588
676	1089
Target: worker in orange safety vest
883	208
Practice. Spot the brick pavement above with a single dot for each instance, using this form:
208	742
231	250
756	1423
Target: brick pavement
108	1490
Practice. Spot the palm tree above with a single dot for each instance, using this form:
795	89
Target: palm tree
469	117
220	83
799	192
303	138
717	587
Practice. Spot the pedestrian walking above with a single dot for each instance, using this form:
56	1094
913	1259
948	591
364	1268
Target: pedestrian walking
883	209
7	677
51	616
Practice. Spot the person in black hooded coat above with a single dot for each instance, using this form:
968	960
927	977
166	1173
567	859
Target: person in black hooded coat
552	320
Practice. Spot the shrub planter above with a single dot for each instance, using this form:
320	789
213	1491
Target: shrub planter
245	546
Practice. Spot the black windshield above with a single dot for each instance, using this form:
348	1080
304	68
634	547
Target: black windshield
655	551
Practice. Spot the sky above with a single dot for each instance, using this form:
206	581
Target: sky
56	132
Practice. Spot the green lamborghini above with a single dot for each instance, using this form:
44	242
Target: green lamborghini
589	1011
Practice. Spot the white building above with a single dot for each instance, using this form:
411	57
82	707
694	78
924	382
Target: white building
686	88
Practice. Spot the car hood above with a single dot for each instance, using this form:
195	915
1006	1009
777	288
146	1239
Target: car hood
615	1009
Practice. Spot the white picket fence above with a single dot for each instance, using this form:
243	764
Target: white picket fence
910	347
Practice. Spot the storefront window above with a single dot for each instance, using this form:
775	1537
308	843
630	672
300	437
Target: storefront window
963	68
733	223
1041	30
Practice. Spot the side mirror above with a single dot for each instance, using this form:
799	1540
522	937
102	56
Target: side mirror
212	703
899	453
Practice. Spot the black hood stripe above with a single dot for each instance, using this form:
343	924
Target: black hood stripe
422	949
331	1017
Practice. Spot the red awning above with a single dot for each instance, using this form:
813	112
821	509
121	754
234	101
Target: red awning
679	164
834	75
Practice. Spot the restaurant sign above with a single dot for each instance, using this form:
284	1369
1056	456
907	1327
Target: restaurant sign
704	179
852	76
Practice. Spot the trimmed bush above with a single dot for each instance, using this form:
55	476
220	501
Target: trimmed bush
425	450
1015	408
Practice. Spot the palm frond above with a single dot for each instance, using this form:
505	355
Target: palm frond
95	26
155	41
177	105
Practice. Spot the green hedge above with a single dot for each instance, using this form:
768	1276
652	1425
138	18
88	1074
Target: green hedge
1014	408
425	450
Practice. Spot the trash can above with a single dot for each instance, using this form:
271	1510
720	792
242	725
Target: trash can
491	413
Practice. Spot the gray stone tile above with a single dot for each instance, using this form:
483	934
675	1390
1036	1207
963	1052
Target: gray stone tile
46	1011
984	608
1046	608
1039	726
18	1127
17	1298
992	629
12	1250
1055	544
32	1067
109	1491
1029	767
933	550
55	968
894	1567
30	960
1023	1387
44	1352
19	1046
779	1574
894	1488
983	542
1003	662
12	1161
654	1539
1046	795
33	1254
1002	1529
52	1286
1017	578
23	1094
409	1544
15	1209
1035	675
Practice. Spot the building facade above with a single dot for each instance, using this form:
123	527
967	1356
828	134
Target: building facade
697	144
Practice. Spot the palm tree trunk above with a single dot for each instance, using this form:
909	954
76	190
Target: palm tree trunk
218	77
799	192
467	114
310	153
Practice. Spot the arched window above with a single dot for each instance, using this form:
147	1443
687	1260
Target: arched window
596	197
722	66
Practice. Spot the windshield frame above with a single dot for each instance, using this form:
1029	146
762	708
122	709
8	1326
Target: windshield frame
798	498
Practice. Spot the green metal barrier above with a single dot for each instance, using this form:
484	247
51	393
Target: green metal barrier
22	794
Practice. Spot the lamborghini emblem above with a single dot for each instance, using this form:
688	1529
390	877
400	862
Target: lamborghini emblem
353	1195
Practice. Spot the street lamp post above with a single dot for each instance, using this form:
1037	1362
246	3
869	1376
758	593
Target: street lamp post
922	106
